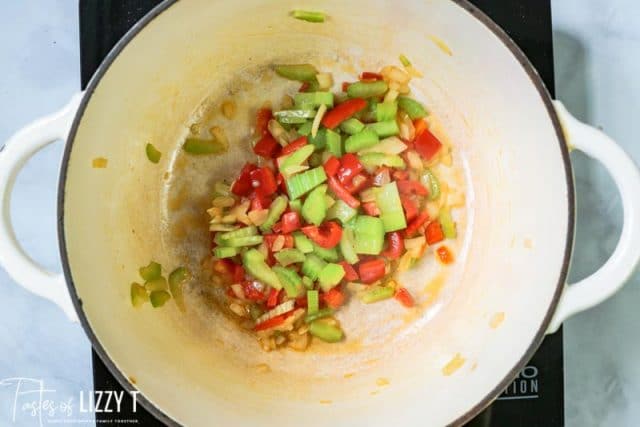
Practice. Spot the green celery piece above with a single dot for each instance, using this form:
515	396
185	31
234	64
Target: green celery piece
177	279
304	182
352	126
330	276
369	114
305	128
386	111
302	242
309	16
312	266
308	283
391	211
347	246
297	157
367	89
325	332
373	160
299	72
413	108
341	211
238	242
313	99
277	208
151	271
301	113
290	280
325	312
139	295
159	298
289	256
241	232
361	140
254	263
334	143
157	284
152	153
447	223
320	140
376	293
200	146
369	235
225	252
295	205
384	129
330	255
404	60
314	208
313	301
430	180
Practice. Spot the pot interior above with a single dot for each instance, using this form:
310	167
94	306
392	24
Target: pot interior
475	321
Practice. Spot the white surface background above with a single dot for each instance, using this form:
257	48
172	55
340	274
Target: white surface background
597	53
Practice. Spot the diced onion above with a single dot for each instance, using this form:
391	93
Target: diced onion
257	217
415	243
325	80
237	290
391	145
391	95
278	132
318	119
283	308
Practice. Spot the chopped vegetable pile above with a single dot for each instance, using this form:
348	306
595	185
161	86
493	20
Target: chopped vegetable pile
342	190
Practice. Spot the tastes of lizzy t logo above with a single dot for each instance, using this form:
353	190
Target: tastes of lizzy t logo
30	398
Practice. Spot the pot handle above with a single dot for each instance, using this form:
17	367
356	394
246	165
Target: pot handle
594	289
13	156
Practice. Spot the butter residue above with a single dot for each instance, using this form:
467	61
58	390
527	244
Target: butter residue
453	365
496	320
381	382
441	44
99	163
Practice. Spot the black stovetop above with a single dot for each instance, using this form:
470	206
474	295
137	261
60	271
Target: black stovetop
536	397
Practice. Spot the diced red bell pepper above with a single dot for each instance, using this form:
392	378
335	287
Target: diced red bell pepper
263	181
342	112
370	208
342	193
372	270
327	236
238	273
290	222
270	239
400	174
395	245
267	147
301	302
242	185
331	166
304	87
350	166
370	76
405	298
427	145
410	207
445	255
350	273
359	183
262	121
281	183
345	86
294	145
277	227
271	323
411	187
334	298
434	233
272	300
259	201
252	290
224	268
414	225
419	125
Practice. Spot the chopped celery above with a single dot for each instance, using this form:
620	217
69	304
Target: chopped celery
313	301
334	143
308	283
241	232
237	242
313	99
139	295
413	108
199	146
367	89
302	243
304	182
361	140
312	266
430	180
341	211
330	276
404	60
330	255
158	298
151	271
320	140
314	208
308	16
294	116
347	246
157	284
295	205
352	126
277	208
290	280
152	153
369	235
289	256
177	279
373	160
391	211
376	293
225	252
299	72
384	129
297	157
325	312
305	128
386	111
447	223
255	265
325	331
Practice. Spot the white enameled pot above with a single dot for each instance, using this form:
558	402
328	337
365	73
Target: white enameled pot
442	365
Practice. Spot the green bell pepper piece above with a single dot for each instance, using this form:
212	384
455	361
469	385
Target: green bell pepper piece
139	295
159	298
177	279
152	153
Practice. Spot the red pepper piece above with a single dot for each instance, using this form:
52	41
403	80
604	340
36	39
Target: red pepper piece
294	145
262	121
427	145
238	273
434	233
331	166
270	239
410	207
370	76
327	236
405	298
419	125
345	86
414	225
267	147
271	323
342	193
412	187
395	245
304	87
277	227
359	183
242	185
445	255
334	298
342	112
372	270
350	166
350	273
301	302
370	208
400	174
252	290
263	181
290	222
272	301
259	201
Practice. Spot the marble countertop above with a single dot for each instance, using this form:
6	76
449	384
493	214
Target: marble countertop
597	54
